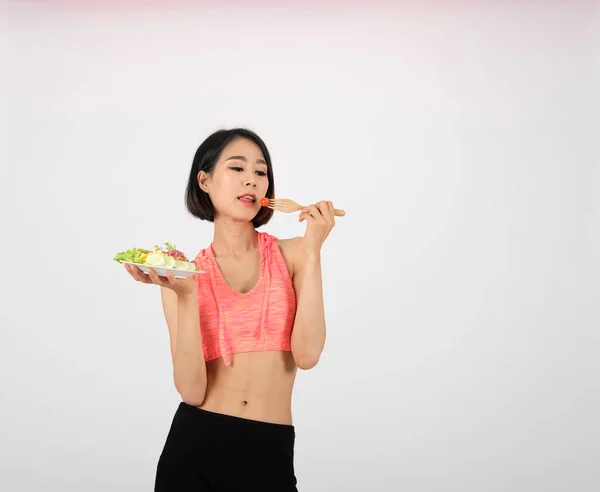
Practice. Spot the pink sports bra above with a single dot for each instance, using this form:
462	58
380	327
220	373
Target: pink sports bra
261	319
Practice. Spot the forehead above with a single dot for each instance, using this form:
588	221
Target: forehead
242	147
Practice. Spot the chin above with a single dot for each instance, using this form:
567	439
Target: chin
243	217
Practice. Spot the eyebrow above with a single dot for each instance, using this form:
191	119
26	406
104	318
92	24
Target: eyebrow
242	158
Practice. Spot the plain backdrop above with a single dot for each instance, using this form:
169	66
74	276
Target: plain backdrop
461	288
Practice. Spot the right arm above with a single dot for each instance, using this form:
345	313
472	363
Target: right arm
180	305
169	305
189	367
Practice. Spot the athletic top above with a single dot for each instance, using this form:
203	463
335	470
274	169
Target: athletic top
260	319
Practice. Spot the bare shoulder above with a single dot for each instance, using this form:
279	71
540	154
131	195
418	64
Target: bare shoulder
290	249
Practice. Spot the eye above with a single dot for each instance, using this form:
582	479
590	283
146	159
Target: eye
237	169
261	173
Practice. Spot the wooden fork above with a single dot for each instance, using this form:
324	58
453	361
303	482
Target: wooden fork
288	206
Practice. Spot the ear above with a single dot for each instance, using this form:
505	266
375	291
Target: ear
203	180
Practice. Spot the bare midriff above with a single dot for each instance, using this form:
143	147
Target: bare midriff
257	386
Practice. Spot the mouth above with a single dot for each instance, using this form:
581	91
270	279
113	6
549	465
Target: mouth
247	198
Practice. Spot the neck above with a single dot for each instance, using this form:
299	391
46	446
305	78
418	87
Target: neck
233	238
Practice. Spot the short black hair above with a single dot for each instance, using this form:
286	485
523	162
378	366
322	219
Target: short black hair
197	201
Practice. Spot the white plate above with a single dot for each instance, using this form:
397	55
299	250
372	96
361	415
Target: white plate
162	271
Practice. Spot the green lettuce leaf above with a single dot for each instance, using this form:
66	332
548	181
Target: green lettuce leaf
133	255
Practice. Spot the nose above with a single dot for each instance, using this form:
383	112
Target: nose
250	183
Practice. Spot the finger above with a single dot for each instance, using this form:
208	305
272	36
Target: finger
325	210
330	207
155	278
170	278
322	206
137	274
314	211
331	212
129	271
308	218
303	214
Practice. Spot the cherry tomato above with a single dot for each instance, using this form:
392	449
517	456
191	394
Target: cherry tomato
264	201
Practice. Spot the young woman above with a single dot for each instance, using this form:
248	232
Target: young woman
240	330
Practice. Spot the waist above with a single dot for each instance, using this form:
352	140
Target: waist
202	423
257	386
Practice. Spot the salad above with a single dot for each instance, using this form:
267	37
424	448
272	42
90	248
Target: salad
167	257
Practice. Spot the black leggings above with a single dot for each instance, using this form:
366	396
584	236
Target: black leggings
208	451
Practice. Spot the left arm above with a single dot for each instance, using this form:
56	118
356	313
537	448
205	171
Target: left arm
309	333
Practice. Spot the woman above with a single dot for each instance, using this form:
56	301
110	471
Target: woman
239	331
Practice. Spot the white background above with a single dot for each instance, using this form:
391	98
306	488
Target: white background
461	288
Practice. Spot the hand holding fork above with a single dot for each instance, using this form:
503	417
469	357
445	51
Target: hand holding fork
288	206
320	220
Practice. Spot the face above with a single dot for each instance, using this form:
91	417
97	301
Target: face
238	181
